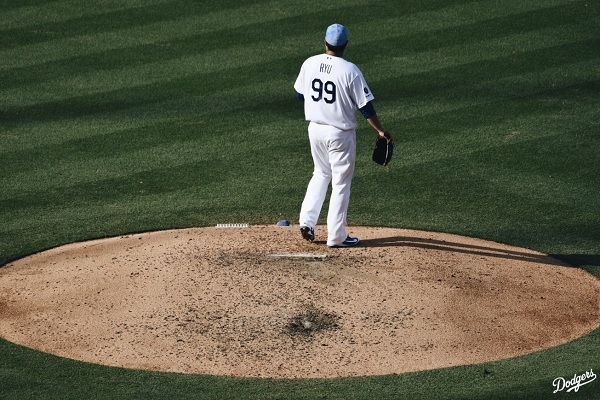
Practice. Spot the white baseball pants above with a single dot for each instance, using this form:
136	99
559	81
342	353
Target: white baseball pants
334	153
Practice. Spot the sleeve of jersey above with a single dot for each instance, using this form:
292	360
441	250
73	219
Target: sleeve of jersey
298	85
362	93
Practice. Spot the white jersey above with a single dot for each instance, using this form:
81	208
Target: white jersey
334	89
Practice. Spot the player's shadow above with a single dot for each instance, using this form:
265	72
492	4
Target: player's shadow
590	262
463	248
580	259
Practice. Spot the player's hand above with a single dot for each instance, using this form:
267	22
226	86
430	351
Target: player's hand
384	148
384	135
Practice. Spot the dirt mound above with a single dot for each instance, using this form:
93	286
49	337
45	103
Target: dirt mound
260	301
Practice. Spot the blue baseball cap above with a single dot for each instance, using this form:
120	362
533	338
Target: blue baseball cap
336	35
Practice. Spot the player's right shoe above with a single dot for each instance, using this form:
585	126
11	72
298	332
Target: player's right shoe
307	233
349	242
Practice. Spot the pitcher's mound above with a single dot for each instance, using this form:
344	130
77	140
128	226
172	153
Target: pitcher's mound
262	302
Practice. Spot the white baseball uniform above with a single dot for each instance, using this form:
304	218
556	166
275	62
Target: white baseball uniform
333	89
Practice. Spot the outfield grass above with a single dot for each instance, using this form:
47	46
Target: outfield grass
129	116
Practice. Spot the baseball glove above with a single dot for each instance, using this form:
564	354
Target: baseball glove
384	148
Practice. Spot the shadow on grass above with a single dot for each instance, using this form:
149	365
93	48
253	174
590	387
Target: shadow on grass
587	262
463	248
579	260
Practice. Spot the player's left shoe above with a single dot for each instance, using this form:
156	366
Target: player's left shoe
349	242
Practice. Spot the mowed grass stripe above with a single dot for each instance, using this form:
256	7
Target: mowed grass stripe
150	149
51	16
431	103
272	18
154	69
67	222
170	104
205	86
471	148
459	133
422	55
132	157
122	184
161	135
121	142
492	193
56	21
253	62
554	119
276	17
488	81
389	91
452	77
472	145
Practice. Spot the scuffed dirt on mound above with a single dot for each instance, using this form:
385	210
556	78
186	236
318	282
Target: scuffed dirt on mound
262	302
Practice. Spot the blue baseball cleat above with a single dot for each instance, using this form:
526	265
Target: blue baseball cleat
349	242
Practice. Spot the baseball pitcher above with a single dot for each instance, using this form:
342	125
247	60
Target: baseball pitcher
333	90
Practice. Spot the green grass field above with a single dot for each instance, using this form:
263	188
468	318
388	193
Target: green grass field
120	116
